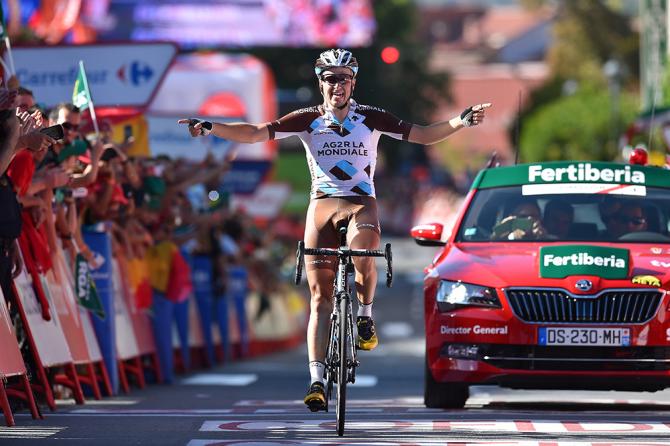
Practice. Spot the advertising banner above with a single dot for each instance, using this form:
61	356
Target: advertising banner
126	344
105	329
11	362
583	260
120	75
49	339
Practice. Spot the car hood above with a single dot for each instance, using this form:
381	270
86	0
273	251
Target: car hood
518	264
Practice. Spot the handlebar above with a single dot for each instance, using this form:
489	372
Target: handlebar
343	252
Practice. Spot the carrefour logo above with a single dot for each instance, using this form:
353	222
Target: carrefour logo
570	260
584	172
136	72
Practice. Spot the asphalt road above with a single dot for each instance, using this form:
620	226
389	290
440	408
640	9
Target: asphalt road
259	402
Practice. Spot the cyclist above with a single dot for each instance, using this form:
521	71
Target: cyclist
340	138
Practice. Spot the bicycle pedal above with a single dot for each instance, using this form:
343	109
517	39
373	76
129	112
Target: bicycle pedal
316	407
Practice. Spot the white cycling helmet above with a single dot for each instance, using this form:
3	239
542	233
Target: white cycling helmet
336	58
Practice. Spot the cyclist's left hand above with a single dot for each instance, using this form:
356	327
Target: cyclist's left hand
474	115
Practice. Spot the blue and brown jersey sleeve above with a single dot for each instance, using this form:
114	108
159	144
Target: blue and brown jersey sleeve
384	122
293	123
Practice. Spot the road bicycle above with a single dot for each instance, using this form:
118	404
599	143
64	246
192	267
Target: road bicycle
341	360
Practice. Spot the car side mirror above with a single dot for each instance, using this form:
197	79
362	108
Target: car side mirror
428	235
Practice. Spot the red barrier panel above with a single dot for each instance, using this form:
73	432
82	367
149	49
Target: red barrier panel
46	339
11	365
96	371
144	336
127	351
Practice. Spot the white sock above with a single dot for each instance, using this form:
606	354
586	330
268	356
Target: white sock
316	370
364	310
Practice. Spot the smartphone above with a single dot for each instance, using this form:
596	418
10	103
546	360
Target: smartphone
127	132
55	131
108	154
503	229
523	223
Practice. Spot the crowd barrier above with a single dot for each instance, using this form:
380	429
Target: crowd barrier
126	341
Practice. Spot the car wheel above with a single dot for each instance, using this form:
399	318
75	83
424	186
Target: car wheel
449	395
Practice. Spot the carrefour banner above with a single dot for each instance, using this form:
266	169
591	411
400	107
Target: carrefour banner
119	74
558	262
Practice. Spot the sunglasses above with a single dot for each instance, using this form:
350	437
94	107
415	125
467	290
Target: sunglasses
625	220
334	79
70	126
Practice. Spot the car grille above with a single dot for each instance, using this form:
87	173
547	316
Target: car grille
610	307
564	358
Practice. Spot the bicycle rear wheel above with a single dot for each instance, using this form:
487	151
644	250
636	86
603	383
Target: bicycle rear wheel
342	367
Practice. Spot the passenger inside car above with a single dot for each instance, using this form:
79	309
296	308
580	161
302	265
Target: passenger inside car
558	218
622	218
522	223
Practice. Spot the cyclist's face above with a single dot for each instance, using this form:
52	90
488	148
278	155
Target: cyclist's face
337	83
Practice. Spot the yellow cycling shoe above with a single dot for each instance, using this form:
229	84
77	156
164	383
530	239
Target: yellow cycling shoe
316	397
367	336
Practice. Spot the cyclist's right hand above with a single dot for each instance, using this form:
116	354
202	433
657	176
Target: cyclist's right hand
197	127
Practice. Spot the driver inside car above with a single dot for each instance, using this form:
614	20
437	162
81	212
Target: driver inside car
523	223
622	218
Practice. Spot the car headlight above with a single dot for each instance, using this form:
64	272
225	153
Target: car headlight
453	295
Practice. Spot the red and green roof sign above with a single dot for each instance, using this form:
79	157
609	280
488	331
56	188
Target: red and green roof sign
572	172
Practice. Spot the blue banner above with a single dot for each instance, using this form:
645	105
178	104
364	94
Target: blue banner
105	329
245	176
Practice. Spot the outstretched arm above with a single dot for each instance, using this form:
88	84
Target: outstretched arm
434	133
234	131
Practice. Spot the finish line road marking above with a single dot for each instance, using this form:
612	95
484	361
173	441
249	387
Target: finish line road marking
219	379
492	427
29	432
418	442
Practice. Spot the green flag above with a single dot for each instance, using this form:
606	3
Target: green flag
87	293
81	96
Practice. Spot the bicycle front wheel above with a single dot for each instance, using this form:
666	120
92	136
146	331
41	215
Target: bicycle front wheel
342	367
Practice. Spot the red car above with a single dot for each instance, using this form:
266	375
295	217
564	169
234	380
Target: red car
555	275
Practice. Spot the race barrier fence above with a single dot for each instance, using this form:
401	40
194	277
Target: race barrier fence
69	349
12	366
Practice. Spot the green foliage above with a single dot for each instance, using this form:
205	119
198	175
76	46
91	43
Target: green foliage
587	34
575	127
291	167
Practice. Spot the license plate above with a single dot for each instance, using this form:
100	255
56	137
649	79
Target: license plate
583	336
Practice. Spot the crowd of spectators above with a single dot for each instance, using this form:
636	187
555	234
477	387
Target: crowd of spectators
55	188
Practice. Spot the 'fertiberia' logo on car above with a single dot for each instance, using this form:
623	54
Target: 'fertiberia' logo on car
569	260
584	172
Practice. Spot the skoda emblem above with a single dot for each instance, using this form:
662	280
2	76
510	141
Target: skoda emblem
583	285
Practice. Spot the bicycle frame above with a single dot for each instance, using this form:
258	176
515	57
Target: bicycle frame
341	360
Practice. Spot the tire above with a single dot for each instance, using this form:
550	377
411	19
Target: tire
449	395
342	369
330	353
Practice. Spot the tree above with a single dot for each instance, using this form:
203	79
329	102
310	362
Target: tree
574	127
587	35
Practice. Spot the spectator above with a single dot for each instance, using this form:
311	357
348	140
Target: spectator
523	223
10	217
558	216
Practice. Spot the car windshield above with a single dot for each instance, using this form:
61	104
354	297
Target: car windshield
505	214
